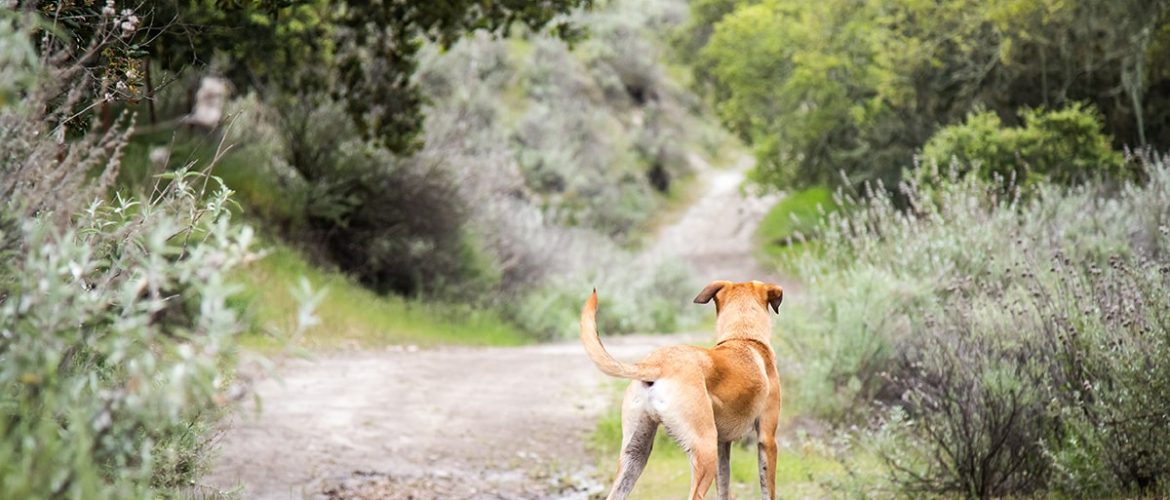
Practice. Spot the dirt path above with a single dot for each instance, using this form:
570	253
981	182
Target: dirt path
463	422
441	423
715	233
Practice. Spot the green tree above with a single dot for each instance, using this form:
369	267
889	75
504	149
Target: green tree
361	53
856	86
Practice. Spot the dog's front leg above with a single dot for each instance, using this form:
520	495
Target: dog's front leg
723	480
766	428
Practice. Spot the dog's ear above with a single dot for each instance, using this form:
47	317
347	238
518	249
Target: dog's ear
710	290
775	297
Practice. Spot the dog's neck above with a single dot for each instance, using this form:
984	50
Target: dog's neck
743	320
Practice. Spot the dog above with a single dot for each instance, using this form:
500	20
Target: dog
705	398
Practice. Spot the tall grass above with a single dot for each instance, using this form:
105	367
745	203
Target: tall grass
1012	345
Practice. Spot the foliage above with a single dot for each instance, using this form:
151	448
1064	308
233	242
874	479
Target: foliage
530	151
560	153
18	59
364	204
114	332
822	88
361	54
1011	338
1065	146
794	220
38	166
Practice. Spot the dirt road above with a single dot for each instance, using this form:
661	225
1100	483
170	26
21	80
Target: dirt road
714	235
462	422
437	423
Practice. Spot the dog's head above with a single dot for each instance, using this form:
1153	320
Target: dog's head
726	292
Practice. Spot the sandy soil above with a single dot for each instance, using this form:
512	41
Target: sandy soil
462	422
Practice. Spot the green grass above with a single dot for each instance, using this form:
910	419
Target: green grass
803	472
794	216
353	316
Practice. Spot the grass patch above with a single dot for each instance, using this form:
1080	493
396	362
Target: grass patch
803	472
353	316
793	219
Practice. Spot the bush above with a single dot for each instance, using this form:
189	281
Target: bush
974	389
1109	331
1065	146
397	224
637	296
1020	343
114	335
559	161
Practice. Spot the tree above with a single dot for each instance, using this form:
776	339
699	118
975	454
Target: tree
821	87
360	52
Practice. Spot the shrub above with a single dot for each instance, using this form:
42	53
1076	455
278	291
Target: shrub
1065	146
114	336
637	296
1021	343
548	147
974	389
1107	328
397	224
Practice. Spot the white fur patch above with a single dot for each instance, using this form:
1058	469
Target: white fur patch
662	396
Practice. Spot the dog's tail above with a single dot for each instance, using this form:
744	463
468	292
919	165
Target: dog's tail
600	356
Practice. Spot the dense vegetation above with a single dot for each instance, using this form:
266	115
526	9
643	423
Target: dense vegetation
844	91
1006	345
115	315
988	287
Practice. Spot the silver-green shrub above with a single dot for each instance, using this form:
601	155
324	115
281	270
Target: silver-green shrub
557	162
116	334
1023	343
114	337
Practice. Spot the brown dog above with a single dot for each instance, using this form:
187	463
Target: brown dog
706	398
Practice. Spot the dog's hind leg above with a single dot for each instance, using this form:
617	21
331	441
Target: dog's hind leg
638	430
723	481
692	424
